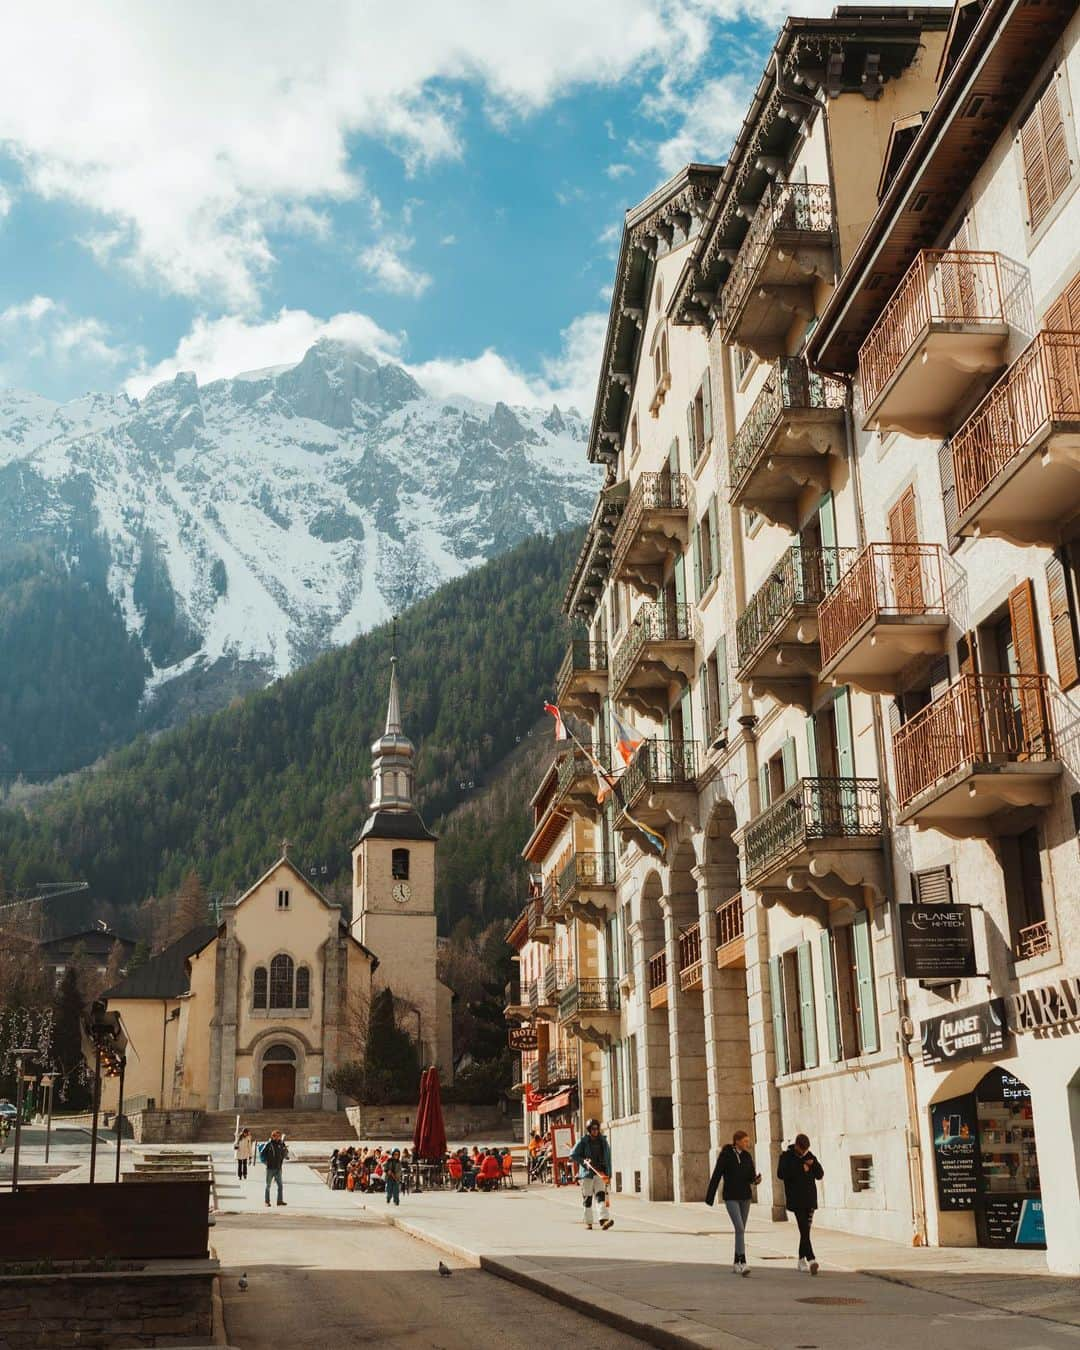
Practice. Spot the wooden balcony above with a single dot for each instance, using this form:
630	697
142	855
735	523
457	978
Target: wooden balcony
823	836
654	528
1035	940
1016	459
944	324
589	1009
659	786
541	925
777	633
561	1068
587	887
655	658
658	992
731	942
890	606
582	681
690	969
789	244
784	441
984	747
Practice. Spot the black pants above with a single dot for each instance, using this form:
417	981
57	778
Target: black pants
241	1168
805	1218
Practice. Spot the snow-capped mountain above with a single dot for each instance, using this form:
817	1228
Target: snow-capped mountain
255	521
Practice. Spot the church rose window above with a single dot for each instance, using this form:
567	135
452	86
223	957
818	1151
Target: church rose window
259	999
399	864
303	987
281	982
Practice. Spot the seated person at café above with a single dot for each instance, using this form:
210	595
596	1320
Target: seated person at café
490	1171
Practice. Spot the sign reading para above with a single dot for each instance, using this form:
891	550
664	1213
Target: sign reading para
938	942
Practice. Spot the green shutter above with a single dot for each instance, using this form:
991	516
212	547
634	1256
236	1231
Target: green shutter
807	1010
790	760
706	711
673	456
714	535
699	579
722	682
776	991
691	440
864	979
680	581
832	1011
706	405
845	745
811	747
687	715
827	528
763	786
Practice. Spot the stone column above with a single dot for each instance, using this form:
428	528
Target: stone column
654	1080
768	1125
686	1035
230	997
333	968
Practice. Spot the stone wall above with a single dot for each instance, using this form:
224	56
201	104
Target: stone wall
111	1309
396	1122
166	1127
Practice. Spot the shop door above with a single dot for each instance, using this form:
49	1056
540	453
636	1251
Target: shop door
1008	1208
278	1087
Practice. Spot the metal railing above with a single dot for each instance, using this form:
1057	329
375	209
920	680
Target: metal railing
802	576
557	975
536	1074
1042	385
814	808
589	995
786	208
658	971
790	388
660	764
536	915
561	1068
581	654
1034	940
940	286
892	579
656	621
665	491
729	921
587	869
574	764
979	719
690	957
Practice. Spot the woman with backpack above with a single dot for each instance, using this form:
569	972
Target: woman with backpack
736	1173
244	1145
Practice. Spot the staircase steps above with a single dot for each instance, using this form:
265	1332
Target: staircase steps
218	1127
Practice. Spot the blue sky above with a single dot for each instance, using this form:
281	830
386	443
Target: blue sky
181	188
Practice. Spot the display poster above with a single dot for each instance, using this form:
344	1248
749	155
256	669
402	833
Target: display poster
562	1145
243	1086
955	1128
1011	1221
978	1030
937	941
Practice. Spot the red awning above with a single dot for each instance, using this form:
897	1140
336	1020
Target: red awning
559	1102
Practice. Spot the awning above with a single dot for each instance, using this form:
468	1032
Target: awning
559	1102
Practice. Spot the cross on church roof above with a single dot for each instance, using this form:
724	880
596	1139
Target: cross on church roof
285	846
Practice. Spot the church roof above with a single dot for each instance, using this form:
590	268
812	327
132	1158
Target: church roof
395	825
285	861
165	975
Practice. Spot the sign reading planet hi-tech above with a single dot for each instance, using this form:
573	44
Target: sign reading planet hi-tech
977	1030
937	941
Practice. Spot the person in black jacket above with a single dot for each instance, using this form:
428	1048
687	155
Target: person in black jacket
800	1172
736	1173
273	1153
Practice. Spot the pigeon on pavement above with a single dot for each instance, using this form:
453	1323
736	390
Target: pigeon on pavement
444	1271
242	1282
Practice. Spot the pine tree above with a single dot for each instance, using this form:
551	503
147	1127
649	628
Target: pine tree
392	1059
67	1041
188	907
114	967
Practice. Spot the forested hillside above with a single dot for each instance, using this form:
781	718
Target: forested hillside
477	658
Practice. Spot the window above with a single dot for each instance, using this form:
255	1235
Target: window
932	886
791	978
1044	151
631	1076
303	987
635	439
281	982
714	693
283	899
706	544
699	420
359	870
1061	588
399	864
1021	863
742	360
862	1172
850	1001
258	995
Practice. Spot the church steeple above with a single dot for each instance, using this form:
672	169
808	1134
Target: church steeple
392	758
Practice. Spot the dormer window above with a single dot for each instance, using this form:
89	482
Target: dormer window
399	864
283	899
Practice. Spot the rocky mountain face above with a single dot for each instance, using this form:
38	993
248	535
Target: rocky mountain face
235	530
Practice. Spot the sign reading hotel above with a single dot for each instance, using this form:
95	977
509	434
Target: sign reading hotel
523	1037
937	941
978	1030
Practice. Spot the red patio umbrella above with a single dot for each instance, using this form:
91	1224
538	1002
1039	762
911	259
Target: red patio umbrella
421	1113
429	1137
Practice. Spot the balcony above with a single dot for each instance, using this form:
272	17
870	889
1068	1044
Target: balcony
788	244
541	925
656	655
536	1075
783	443
576	786
731	942
986	746
582	680
1016	459
517	1005
589	1009
822	836
890	606
557	975
777	633
561	1069
1035	940
659	786
944	324
587	887
658	992
655	527
690	967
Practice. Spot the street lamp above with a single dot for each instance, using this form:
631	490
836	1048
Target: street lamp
47	1080
108	1043
24	1052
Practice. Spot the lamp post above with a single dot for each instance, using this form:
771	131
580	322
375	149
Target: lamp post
108	1043
121	1065
47	1080
24	1052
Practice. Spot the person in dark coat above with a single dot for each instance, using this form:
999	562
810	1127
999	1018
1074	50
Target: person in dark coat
800	1172
736	1174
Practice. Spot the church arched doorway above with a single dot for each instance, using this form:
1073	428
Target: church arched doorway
279	1078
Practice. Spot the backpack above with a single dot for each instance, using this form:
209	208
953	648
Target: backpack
262	1151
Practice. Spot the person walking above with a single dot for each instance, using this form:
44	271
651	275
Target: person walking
800	1172
273	1153
592	1153
245	1147
736	1174
392	1176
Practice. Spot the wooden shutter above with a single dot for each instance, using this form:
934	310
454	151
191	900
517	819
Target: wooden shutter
807	1010
907	566
706	406
948	488
776	992
1022	619
828	980
763	786
706	708
864	984
932	886
967	655
1062	623
714	534
811	746
1036	177
1064	314
691	437
790	761
939	676
1045	152
699	578
680	579
723	700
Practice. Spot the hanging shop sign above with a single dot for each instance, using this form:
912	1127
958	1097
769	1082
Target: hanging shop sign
1054	1005
938	942
955	1128
523	1037
978	1030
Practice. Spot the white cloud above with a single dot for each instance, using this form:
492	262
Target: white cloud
390	270
711	119
28	310
41	334
6	201
616	171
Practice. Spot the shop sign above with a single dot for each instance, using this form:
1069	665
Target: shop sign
1054	1005
1011	1221
523	1037
955	1129
938	942
978	1030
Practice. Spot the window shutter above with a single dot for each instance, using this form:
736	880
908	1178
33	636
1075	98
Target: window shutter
791	766
706	710
948	487
691	437
1036	175
699	580
680	579
896	720
832	1012
932	886
1022	618
706	405
1062	623
811	746
1058	167
864	983
724	705
807	1010
687	705
776	991
714	535
1064	314
763	786
939	676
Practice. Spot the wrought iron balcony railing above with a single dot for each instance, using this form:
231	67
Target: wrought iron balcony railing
785	209
574	764
802	576
589	995
581	654
656	621
665	491
536	1075
557	975
729	921
979	719
561	1067
659	765
587	869
1040	387
1034	940
790	388
885	579
940	286
812	809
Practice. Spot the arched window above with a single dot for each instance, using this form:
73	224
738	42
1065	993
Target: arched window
303	987
280	1054
281	982
399	864
259	988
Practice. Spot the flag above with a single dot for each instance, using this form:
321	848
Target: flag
627	740
657	841
560	725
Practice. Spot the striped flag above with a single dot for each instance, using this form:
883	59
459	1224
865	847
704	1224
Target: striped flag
627	739
560	726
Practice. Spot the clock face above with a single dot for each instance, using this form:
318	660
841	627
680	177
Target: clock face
403	892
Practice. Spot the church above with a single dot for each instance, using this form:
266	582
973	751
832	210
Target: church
256	1011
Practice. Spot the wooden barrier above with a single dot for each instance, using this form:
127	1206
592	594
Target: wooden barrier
156	1220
